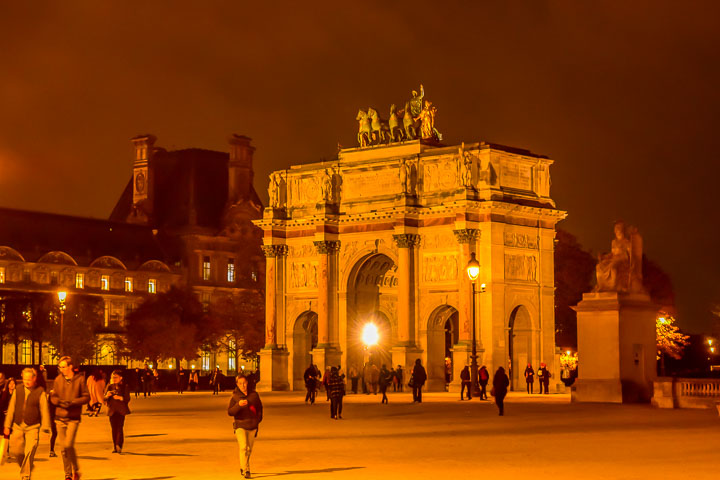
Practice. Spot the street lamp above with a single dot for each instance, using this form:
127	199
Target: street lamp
370	337
473	272
62	295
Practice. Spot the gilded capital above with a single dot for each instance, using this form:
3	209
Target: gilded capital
407	240
466	235
274	250
325	247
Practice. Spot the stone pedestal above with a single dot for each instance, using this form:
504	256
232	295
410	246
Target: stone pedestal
461	356
616	348
273	370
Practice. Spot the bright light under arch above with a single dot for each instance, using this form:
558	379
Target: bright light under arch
370	335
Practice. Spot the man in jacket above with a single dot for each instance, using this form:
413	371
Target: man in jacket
69	394
544	378
465	383
418	376
27	412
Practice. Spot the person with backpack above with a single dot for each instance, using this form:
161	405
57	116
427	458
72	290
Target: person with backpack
384	382
465	383
247	410
483	378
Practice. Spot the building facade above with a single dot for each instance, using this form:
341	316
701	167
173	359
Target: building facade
383	235
184	218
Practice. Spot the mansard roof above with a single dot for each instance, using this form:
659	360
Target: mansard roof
84	240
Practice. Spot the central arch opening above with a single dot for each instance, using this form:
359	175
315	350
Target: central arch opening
442	334
305	338
372	296
519	346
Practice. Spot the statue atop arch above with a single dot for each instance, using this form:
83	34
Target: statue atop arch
620	270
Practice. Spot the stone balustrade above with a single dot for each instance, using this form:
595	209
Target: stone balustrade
687	393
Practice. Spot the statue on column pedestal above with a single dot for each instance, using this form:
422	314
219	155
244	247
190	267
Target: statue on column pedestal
621	269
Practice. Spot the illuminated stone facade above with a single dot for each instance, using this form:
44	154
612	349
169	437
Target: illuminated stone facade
183	219
383	234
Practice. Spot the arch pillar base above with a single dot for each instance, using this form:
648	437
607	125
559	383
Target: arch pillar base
406	355
325	356
273	370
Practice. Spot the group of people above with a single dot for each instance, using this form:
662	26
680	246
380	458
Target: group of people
147	381
483	376
543	375
56	409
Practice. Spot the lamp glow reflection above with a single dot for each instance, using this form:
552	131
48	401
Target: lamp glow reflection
370	334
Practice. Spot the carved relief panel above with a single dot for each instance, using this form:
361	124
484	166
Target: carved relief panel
304	191
521	267
438	268
441	175
303	274
371	183
521	240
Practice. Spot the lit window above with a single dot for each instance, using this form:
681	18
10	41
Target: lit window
106	314
2	274
205	300
105	282
128	284
206	268
26	352
205	358
79	280
231	270
53	278
232	366
152	283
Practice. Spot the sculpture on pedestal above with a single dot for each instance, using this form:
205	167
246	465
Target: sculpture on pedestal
621	269
274	190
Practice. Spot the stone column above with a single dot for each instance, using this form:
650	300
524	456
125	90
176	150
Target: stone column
466	238
273	358
327	353
406	341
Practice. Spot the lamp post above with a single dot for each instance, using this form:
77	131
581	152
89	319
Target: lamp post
62	295
473	272
370	337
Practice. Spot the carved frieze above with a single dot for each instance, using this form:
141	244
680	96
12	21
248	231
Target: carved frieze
274	250
299	251
440	268
521	240
304	275
372	183
435	240
441	175
521	267
305	191
467	235
406	240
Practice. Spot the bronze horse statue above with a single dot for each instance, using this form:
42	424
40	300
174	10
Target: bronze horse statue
379	128
364	135
409	123
396	131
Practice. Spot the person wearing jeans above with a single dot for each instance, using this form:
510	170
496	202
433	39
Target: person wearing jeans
247	410
69	394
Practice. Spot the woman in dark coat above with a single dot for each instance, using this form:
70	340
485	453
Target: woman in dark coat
117	397
336	391
500	386
418	377
246	407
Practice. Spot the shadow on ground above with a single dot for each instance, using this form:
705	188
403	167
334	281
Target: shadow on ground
301	472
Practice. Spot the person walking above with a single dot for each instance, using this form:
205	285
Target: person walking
117	398
465	383
96	388
374	378
399	374
69	394
27	413
138	382
53	427
544	378
418	377
215	380
483	378
500	386
155	380
336	391
181	379
384	382
246	408
311	381
325	380
530	378
354	378
194	379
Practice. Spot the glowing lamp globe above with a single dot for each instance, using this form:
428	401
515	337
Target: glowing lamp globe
370	335
62	296
473	268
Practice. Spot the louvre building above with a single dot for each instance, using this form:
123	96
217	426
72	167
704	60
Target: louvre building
183	219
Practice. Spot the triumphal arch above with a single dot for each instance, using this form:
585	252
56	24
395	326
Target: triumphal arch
383	234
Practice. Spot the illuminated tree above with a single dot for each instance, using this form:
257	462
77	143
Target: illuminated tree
670	341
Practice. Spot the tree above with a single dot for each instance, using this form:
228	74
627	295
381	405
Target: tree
670	341
241	319
169	325
83	316
574	273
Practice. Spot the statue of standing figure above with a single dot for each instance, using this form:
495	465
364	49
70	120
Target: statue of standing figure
465	160
326	189
621	269
274	190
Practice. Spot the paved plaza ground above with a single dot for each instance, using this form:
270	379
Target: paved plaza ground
190	437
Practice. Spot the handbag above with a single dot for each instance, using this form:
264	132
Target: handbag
492	392
411	383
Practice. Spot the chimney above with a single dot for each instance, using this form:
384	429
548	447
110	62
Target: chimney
143	179
240	169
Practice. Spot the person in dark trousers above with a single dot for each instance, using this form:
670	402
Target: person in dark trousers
483	377
500	386
325	380
530	378
181	380
216	380
194	378
27	413
418	377
69	394
139	377
246	408
53	427
311	382
384	382
117	398
336	390
354	378
465	383
544	379
399	374
148	379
